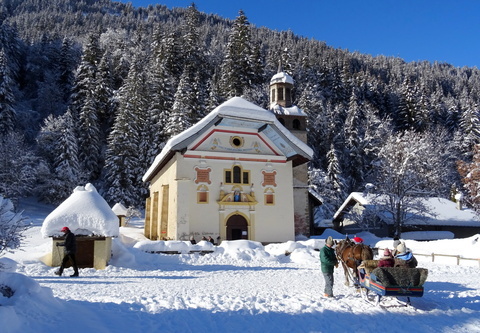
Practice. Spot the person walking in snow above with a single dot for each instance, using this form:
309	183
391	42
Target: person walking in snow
70	245
328	261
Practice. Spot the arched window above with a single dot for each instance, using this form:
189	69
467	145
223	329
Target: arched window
296	124
237	175
288	96
269	196
202	194
280	94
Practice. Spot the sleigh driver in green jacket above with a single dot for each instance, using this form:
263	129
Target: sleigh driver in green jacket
328	261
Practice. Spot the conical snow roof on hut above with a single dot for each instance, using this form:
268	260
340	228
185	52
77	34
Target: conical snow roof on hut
120	209
85	212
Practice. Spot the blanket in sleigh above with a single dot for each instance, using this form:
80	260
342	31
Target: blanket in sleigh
397	276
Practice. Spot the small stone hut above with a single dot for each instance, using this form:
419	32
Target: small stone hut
92	221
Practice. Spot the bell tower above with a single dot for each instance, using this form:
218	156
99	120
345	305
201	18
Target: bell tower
295	120
281	86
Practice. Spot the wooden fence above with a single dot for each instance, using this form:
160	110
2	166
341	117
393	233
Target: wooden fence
459	260
446	258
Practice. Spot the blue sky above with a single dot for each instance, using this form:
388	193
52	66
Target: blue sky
415	30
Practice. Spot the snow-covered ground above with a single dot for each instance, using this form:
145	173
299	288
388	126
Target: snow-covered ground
241	287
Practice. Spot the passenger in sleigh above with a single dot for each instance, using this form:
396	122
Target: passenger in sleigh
404	258
387	259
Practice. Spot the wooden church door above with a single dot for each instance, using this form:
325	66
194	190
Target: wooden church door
237	228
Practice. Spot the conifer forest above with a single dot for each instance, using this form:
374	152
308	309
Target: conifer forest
91	90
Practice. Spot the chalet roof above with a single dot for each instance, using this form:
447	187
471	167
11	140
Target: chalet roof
84	212
236	112
442	211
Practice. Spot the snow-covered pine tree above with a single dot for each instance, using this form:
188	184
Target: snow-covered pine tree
66	66
354	141
7	99
18	167
195	65
84	105
68	172
408	107
470	126
424	117
12	225
470	173
104	96
335	176
58	146
125	161
321	184
161	89
238	64
90	145
183	107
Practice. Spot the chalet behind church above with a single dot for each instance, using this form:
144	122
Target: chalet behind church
231	175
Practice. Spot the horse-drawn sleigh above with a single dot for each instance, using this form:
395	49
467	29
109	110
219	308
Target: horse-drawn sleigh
383	281
390	281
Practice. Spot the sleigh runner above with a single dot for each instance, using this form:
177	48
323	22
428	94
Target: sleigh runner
391	281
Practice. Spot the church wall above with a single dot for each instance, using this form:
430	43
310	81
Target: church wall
275	223
300	182
164	179
267	223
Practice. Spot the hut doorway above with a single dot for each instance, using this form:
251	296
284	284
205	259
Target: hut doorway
85	251
237	227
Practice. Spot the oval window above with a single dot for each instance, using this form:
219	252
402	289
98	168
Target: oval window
236	141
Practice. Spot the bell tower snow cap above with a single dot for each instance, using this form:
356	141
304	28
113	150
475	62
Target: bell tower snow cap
64	229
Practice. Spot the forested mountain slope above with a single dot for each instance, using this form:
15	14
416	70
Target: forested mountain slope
90	90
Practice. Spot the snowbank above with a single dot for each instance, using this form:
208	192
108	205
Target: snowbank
173	246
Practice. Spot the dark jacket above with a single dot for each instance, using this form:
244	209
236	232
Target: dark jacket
406	260
328	259
70	243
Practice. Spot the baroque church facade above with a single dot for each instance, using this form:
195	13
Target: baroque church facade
239	173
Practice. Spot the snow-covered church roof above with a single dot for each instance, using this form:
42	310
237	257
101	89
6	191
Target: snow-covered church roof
236	112
288	111
84	212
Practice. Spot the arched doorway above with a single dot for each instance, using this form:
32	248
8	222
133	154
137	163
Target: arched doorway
237	227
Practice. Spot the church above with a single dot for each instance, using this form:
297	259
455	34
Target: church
239	173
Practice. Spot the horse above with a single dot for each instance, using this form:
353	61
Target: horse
351	255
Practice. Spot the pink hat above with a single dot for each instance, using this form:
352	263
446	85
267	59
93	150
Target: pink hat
387	253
